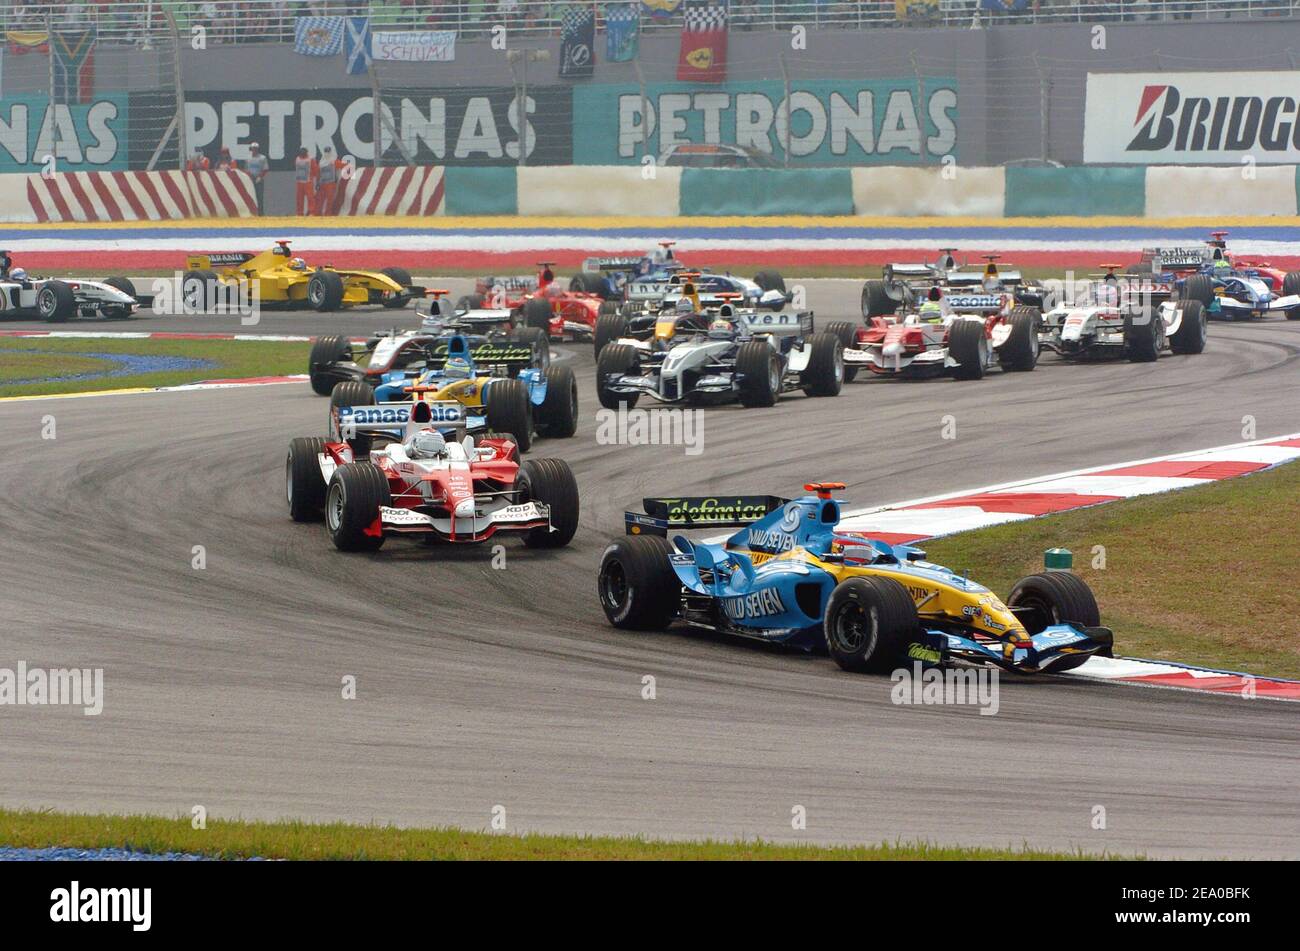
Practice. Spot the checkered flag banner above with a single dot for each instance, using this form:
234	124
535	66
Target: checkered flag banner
704	42
577	49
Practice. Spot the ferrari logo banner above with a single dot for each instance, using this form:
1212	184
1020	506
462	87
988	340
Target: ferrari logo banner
704	43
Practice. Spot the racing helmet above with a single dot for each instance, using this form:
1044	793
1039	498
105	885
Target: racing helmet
298	264
720	326
1222	266
426	444
685	306
18	274
457	368
931	312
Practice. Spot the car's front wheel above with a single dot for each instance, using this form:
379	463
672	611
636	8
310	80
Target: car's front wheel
868	623
356	492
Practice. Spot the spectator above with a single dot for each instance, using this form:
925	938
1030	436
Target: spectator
327	181
197	162
305	173
257	166
224	162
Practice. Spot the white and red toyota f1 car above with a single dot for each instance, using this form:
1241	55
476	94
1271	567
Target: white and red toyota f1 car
430	483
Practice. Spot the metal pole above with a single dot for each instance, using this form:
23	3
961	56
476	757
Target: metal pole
1043	110
181	143
645	110
378	106
785	106
523	111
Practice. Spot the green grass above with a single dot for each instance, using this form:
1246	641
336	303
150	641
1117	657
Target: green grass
55	358
1205	575
234	839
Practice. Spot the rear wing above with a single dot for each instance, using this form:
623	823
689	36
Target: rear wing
596	265
1173	259
505	354
217	259
346	422
778	323
722	511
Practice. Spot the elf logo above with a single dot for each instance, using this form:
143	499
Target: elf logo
1168	119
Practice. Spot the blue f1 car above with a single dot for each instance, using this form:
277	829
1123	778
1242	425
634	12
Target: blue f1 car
790	577
648	280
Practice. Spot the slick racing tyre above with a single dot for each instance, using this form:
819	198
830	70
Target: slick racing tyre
609	327
847	334
550	482
402	278
590	284
352	502
868	623
616	359
876	301
354	393
557	417
638	588
1020	350
470	302
1191	332
1144	339
510	411
968	344
325	291
1291	285
201	291
540	344
1198	287
1055	597
325	351
56	302
759	368
824	375
127	287
770	281
304	484
537	313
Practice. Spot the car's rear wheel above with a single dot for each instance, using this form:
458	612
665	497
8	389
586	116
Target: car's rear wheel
304	484
868	623
557	417
540	344
1019	352
759	369
402	278
550	482
356	492
824	375
354	393
537	313
876	301
968	344
510	411
1198	287
637	585
609	328
770	281
325	291
326	351
470	302
616	359
1190	336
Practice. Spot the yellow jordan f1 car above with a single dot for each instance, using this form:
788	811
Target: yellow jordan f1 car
275	278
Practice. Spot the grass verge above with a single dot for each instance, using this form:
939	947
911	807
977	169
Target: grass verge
26	358
1204	575
234	839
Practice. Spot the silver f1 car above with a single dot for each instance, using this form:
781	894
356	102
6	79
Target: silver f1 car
56	300
1129	316
719	356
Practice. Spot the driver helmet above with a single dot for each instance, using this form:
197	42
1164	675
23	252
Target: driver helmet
1222	266
18	274
427	444
931	312
457	368
685	306
720	325
298	264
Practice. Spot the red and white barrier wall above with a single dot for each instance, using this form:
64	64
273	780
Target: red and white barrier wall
402	190
126	196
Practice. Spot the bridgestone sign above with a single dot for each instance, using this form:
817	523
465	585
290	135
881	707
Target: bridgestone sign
1203	118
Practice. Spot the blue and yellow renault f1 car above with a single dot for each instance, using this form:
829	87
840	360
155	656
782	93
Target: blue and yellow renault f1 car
790	577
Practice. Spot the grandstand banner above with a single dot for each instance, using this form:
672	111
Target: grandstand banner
461	126
922	11
413	46
90	136
832	122
1193	118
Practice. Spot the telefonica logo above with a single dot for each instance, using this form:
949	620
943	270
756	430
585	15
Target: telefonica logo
1167	117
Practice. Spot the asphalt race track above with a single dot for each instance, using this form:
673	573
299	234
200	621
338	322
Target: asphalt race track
480	687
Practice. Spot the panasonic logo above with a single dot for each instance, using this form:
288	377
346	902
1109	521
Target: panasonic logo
364	415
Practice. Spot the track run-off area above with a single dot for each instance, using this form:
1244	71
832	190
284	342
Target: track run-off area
479	686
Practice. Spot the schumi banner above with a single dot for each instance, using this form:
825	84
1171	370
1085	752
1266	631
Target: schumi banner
1202	118
832	122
